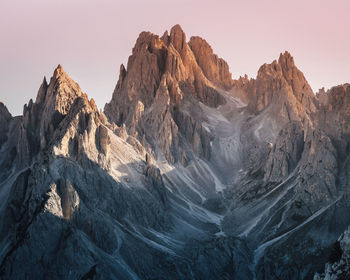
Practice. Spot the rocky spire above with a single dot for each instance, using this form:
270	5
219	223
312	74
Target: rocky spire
42	91
5	118
213	67
286	60
334	117
4	113
339	99
62	91
296	80
42	117
178	39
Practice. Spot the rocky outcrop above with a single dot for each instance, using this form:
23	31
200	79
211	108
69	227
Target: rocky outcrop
338	267
5	118
321	96
219	256
334	117
214	68
318	172
296	80
339	98
285	153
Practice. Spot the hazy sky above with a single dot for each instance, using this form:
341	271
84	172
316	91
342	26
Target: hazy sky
92	38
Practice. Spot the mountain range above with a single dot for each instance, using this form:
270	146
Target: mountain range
187	173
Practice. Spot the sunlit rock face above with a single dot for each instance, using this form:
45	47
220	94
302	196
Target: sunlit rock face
214	68
163	74
186	174
282	81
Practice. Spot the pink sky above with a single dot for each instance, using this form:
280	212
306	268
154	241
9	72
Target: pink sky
92	38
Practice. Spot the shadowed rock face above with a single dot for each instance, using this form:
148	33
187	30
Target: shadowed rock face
84	191
286	153
337	266
5	118
187	174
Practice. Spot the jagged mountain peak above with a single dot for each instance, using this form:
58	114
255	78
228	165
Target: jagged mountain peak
286	59
171	55
5	117
338	98
281	81
53	102
335	97
60	92
4	111
61	75
176	29
165	37
40	97
58	70
178	38
146	42
214	68
277	67
162	75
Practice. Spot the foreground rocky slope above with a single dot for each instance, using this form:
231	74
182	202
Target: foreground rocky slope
187	174
338	266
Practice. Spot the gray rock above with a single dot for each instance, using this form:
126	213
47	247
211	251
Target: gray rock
187	175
